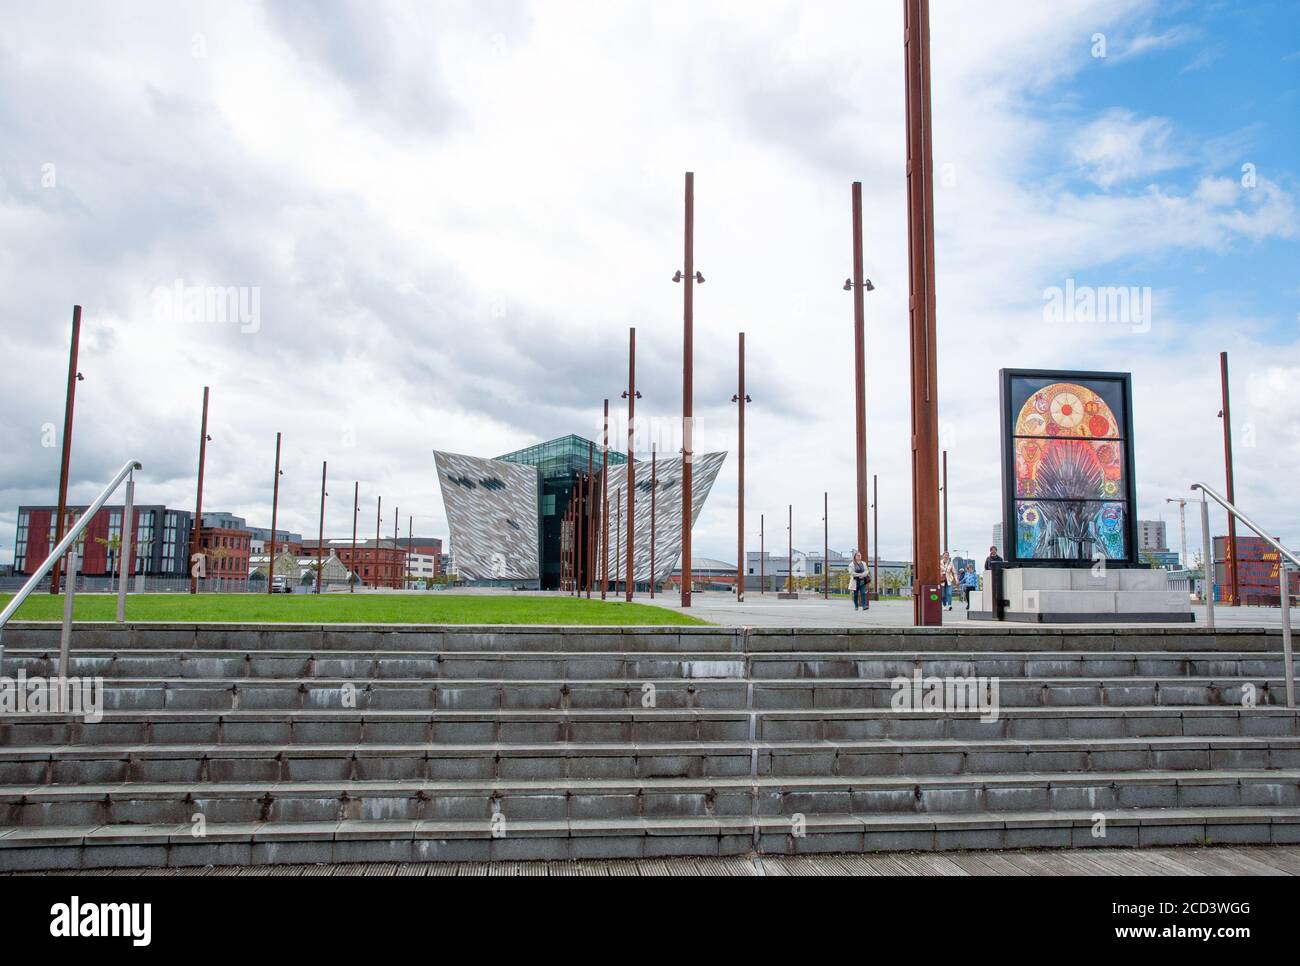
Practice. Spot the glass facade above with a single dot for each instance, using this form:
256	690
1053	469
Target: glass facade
20	543
562	457
171	524
143	543
560	462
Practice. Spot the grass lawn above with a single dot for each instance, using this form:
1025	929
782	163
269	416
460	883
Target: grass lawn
426	608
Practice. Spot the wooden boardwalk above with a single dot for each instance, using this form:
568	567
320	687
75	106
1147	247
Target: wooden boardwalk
1218	860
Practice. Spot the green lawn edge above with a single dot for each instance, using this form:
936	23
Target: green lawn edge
336	608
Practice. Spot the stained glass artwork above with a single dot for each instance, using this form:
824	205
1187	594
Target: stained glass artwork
1069	529
1068	455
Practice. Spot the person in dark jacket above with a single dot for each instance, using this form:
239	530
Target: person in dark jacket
992	558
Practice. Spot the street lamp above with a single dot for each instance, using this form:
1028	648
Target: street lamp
74	377
631	395
689	276
204	439
275	504
741	398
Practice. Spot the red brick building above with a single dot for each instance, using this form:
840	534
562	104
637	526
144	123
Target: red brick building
226	551
377	566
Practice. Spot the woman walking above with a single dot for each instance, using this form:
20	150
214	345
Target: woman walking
949	574
861	578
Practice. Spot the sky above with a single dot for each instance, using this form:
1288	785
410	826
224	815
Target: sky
441	219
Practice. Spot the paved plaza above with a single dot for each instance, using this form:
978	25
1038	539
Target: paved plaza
811	610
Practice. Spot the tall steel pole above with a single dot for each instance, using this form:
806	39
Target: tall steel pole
410	529
604	509
397	518
618	537
577	543
762	558
740	398
826	546
1230	549
945	501
654	486
356	509
198	500
379	509
921	312
69	404
275	506
688	277
789	560
632	395
875	535
320	537
618	533
859	286
591	529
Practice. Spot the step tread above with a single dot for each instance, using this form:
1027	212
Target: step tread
561	748
180	834
399	714
189	654
634	683
388	788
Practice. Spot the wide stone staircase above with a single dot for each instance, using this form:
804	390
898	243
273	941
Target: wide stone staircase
230	744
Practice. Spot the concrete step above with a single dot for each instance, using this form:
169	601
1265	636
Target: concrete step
247	843
632	666
641	725
263	638
90	764
550	800
397	742
484	694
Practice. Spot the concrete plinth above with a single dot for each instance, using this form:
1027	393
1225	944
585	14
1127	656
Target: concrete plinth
1083	595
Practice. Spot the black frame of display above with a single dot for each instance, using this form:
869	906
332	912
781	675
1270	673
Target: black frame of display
1006	405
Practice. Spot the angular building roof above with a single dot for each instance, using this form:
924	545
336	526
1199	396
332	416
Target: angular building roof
562	456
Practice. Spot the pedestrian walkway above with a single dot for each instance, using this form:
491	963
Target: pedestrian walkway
811	610
1216	861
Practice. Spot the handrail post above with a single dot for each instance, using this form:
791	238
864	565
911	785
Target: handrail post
1207	561
124	547
1283	574
65	635
65	545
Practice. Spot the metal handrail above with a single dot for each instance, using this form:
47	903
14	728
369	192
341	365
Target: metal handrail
1285	556
66	543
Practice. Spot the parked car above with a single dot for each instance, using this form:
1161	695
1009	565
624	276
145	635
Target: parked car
281	585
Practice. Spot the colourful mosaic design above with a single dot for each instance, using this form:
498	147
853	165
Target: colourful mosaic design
1040	535
1068	410
1070	486
1069	469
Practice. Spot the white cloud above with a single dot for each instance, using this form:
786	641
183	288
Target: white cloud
1119	147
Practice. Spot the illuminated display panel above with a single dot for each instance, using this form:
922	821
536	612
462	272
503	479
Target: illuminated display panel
1067	466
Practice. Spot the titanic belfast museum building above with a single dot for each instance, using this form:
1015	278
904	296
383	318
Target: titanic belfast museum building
531	518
